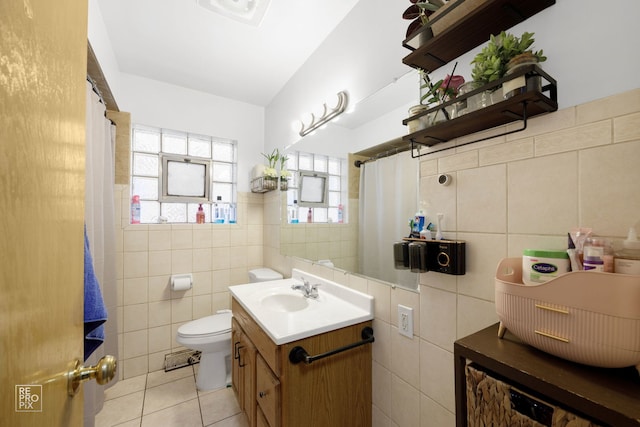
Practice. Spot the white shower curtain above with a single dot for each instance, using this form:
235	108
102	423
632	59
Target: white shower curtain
388	199
100	222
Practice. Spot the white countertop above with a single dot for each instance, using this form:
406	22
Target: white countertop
336	307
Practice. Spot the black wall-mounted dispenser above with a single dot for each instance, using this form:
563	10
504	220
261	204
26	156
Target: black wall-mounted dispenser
441	256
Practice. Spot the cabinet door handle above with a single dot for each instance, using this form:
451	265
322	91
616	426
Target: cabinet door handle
237	354
262	394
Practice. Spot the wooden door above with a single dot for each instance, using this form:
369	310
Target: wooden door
43	47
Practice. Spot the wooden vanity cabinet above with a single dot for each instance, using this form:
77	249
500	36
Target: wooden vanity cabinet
243	370
331	392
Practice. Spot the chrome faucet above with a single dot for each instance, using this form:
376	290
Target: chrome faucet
309	290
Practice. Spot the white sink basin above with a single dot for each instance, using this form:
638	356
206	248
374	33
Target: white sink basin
284	302
286	315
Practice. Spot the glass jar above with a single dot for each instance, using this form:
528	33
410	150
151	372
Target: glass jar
470	104
418	123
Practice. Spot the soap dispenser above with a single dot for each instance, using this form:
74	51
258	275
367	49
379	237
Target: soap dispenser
627	260
200	215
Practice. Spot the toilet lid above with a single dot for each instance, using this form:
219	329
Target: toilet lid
210	325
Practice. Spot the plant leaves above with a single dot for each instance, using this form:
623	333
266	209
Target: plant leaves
413	27
412	12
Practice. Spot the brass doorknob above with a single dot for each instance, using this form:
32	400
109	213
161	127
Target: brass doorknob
103	372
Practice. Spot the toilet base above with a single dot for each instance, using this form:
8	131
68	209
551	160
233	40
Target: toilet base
212	372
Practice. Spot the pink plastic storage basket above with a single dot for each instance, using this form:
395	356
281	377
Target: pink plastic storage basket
586	317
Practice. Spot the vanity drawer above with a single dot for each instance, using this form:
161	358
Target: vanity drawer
267	348
267	392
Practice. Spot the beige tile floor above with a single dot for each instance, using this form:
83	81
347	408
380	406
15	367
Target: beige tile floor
168	399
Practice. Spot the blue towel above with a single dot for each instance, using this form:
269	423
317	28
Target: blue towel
95	313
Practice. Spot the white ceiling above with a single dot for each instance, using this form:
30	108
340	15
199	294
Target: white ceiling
182	43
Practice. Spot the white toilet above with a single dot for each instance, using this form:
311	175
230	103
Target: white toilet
212	336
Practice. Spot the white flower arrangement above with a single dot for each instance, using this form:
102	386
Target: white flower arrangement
273	159
270	172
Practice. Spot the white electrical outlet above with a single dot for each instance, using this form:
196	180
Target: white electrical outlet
405	321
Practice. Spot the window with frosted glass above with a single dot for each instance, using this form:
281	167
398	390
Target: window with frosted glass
335	170
201	169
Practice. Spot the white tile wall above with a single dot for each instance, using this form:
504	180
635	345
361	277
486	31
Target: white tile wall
216	255
577	166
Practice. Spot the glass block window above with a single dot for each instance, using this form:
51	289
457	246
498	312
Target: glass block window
336	169
219	157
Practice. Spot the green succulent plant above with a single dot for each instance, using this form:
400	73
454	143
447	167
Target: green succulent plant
491	63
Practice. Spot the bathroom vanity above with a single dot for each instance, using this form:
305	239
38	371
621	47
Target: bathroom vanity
302	361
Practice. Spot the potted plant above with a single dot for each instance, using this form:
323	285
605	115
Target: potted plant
284	173
501	56
433	94
270	173
419	13
491	63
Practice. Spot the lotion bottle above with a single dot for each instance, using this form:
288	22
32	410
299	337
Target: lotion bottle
627	260
200	215
135	210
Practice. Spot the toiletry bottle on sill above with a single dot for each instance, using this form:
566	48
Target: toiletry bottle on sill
135	209
200	215
232	213
309	215
218	213
294	213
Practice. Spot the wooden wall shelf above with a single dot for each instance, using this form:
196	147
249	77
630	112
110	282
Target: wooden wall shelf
520	107
470	31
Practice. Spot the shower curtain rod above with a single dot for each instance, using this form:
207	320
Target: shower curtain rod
382	154
95	88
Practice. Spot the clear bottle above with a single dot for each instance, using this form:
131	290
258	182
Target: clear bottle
627	260
218	211
232	213
293	214
309	215
200	215
135	209
225	210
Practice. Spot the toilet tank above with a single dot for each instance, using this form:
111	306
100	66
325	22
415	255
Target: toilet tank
263	275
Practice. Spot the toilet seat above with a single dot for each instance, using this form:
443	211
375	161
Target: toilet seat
209	326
